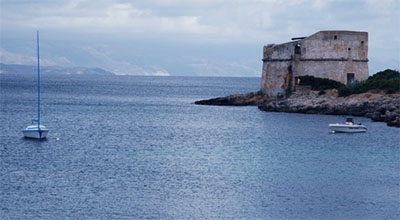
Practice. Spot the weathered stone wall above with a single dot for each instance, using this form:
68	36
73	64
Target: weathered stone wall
325	54
277	60
335	45
273	78
335	70
278	52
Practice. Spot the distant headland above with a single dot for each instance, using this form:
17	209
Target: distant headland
54	70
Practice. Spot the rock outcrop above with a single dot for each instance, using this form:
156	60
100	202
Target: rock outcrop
235	100
373	104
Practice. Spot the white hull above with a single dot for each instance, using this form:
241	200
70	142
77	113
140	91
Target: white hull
347	128
34	132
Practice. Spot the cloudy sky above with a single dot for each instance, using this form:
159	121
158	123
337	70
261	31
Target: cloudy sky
186	37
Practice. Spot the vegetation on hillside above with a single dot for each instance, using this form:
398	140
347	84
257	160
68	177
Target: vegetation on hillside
317	83
388	80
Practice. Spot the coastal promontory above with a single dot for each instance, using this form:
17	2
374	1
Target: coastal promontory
378	98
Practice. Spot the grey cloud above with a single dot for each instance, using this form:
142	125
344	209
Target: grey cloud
152	35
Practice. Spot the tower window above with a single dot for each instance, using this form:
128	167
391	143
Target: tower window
349	49
335	37
297	49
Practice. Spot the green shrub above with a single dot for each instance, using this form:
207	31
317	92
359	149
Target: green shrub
344	91
317	83
388	80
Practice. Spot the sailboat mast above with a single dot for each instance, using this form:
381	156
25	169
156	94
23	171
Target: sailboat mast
38	76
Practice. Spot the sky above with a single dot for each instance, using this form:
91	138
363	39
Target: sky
185	37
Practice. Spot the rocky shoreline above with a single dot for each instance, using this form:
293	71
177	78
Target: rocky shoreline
375	105
234	100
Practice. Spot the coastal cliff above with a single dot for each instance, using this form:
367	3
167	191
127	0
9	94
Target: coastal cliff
374	104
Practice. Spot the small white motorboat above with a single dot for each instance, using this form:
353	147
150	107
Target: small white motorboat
349	127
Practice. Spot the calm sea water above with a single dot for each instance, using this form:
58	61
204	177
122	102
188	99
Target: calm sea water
138	148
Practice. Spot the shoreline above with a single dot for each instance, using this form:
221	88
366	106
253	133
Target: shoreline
374	104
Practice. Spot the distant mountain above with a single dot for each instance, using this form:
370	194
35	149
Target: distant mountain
27	69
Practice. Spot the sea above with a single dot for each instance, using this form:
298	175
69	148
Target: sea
137	147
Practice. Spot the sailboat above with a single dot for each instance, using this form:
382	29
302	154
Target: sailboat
36	131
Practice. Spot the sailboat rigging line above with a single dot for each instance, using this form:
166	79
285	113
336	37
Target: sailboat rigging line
38	73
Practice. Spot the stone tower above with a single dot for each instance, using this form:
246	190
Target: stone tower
337	55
